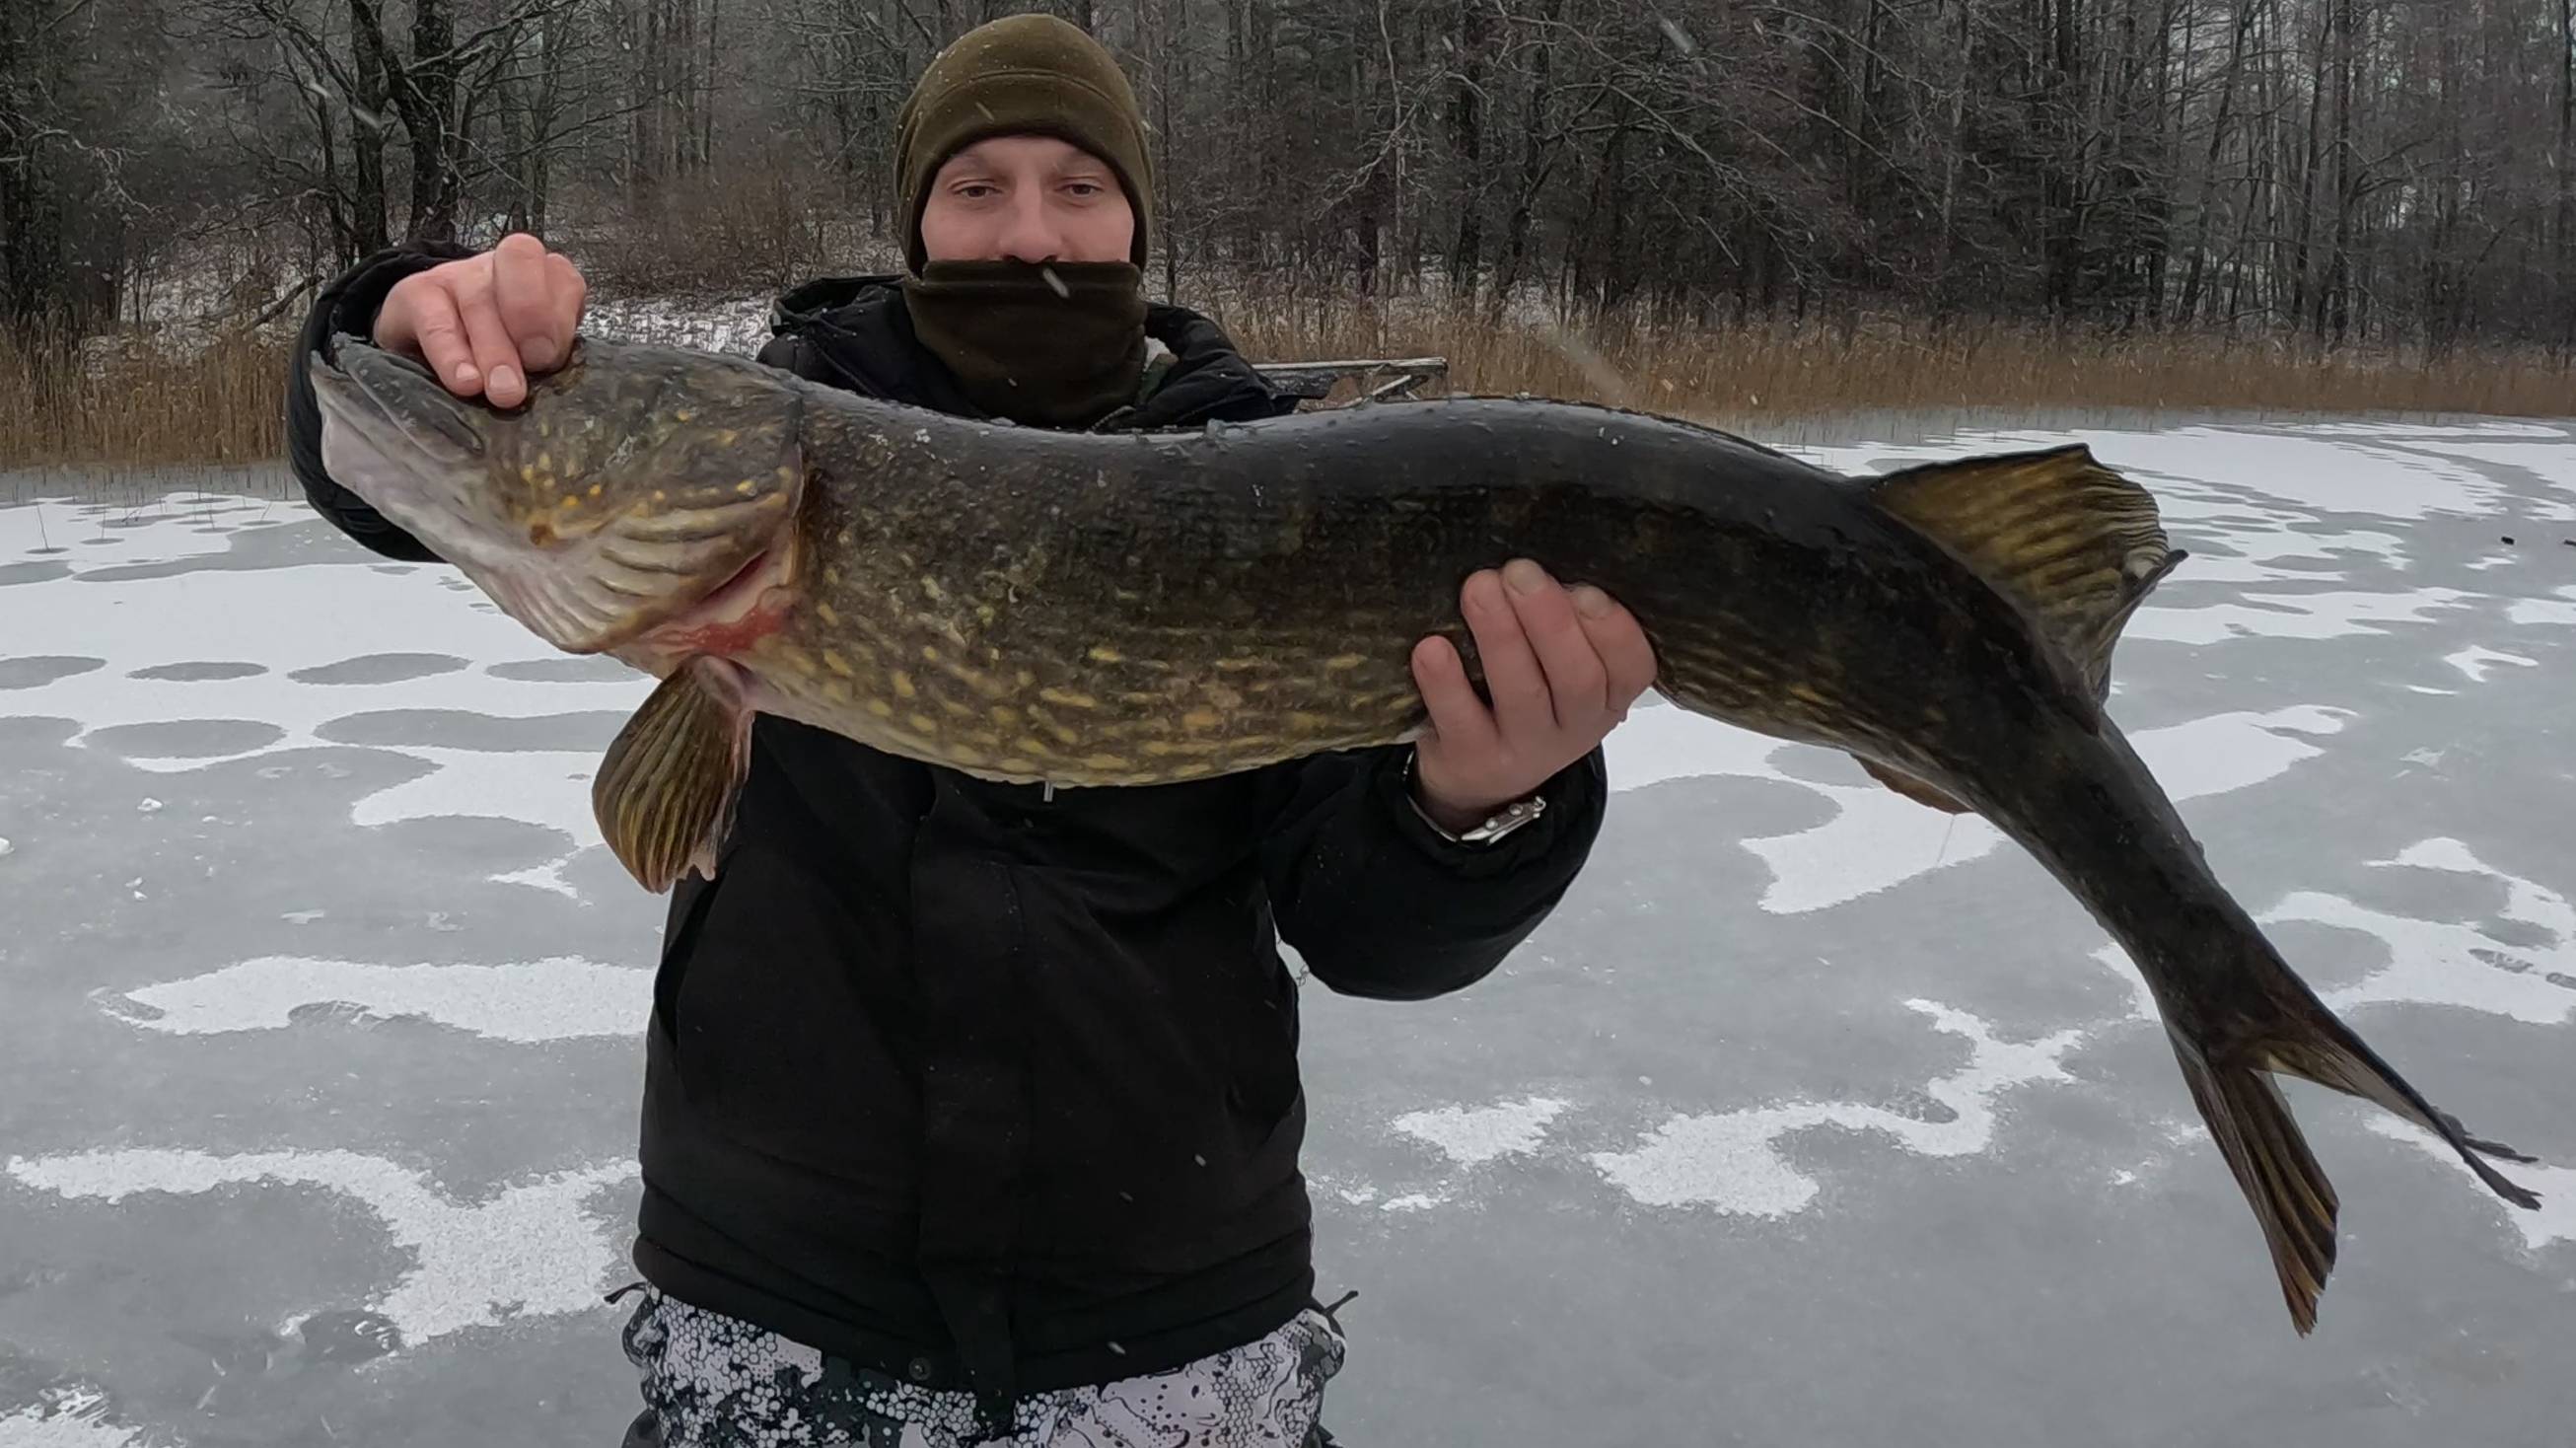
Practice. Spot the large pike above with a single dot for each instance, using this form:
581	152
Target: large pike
1098	609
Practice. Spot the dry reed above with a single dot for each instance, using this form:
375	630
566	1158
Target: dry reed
132	401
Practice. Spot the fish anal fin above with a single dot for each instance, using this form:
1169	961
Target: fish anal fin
2072	543
1912	788
664	794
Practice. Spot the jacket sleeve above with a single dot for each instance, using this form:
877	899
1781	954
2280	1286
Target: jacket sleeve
1382	905
347	308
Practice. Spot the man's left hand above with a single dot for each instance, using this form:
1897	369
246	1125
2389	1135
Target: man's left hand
1562	665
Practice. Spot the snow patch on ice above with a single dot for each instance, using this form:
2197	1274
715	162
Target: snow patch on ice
1879	839
531	1250
544	1000
1731	1161
66	1418
2324	615
2340	472
1472	1136
2544	610
2474	661
2442	962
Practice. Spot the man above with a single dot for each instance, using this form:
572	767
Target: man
972	1111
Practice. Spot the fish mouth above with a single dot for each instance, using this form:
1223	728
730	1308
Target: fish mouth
395	406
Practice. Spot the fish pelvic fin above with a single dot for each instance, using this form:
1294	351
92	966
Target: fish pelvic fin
1911	787
665	792
2073	544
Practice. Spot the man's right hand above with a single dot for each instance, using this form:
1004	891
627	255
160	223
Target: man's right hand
485	322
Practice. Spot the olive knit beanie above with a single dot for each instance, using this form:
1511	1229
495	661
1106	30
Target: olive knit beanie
1021	75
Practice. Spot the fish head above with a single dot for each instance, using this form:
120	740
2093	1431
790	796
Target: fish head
633	485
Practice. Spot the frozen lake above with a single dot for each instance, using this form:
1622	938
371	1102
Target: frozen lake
1811	1117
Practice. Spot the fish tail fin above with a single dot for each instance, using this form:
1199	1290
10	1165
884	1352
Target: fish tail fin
2261	1141
2273	1166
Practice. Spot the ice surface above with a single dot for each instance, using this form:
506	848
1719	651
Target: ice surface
307	906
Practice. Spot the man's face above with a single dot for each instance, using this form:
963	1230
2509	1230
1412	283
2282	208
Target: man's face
1026	198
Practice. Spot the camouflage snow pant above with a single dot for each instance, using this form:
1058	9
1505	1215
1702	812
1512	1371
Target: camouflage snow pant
711	1381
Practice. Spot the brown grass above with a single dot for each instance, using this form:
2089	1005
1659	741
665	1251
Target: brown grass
131	401
1768	374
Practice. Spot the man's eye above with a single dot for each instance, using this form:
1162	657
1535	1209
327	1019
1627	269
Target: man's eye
976	190
1084	189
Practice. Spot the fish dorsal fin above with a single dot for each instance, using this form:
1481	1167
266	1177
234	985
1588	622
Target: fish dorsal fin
2072	543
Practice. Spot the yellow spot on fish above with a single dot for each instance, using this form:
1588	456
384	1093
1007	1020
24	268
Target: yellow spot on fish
1064	735
681	414
545	462
929	653
827	614
832	660
660	496
1025	678
1103	761
1104	654
1066	697
923	723
1305	723
1016	765
747	487
725	436
930	587
1005	714
1238	665
1345	661
836	691
831	575
903	685
1030	744
960	754
958	707
881	708
984	613
1202	719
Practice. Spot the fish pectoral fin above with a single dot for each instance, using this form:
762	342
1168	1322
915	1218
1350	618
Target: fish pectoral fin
664	795
2076	546
1912	788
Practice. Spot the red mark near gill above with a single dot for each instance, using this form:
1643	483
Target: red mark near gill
743	610
727	637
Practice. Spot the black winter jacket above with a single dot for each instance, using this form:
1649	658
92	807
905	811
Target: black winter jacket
996	1086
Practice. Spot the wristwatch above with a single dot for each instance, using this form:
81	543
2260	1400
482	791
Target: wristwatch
1494	826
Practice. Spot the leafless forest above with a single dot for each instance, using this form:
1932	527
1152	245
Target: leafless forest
2319	178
